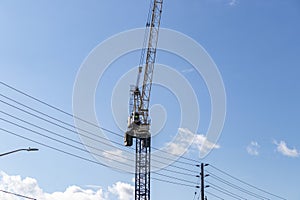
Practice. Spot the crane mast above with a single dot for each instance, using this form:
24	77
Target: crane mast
138	121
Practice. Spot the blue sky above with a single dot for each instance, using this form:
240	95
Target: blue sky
255	45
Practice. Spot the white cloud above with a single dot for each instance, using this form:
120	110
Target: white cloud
74	192
253	148
233	2
185	139
113	155
203	144
285	150
181	142
124	191
29	187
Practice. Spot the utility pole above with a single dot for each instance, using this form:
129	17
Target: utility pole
202	180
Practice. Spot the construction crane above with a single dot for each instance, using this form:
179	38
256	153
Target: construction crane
138	121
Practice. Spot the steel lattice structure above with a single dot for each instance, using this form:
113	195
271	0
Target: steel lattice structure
138	121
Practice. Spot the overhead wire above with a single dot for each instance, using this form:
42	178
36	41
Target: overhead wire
58	135
106	152
248	184
179	179
112	132
173	182
18	195
84	150
227	193
212	194
70	125
177	172
236	187
79	118
64	143
179	156
212	185
95	162
83	135
53	118
57	109
54	148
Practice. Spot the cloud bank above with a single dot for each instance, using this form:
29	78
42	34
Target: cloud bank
29	187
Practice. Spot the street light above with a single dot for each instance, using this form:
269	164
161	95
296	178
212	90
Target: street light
29	149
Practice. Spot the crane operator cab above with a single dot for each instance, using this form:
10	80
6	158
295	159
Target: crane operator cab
136	129
133	123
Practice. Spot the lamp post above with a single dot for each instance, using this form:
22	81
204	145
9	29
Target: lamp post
17	150
14	151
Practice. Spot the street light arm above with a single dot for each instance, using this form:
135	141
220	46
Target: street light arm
32	149
10	152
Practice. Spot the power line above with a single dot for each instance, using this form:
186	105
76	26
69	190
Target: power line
55	108
18	195
224	190
53	118
64	143
56	134
102	150
69	144
84	150
54	148
274	195
173	182
79	118
179	179
214	195
114	155
228	193
83	135
107	144
166	152
114	133
73	131
89	160
70	125
236	187
177	172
